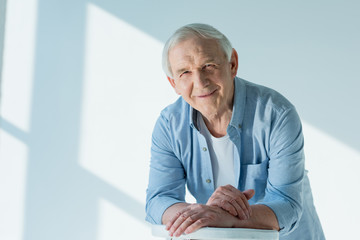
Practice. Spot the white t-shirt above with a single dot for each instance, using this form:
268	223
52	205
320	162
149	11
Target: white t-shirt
221	154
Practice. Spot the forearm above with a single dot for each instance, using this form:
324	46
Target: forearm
262	218
171	211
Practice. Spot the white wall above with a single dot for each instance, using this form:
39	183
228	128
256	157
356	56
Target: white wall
82	86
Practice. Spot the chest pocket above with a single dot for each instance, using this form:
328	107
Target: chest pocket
254	176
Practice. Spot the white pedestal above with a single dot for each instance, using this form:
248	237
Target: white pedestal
220	234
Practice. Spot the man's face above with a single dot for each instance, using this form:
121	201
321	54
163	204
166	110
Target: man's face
203	76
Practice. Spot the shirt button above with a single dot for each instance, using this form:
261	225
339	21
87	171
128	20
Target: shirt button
208	180
204	149
239	125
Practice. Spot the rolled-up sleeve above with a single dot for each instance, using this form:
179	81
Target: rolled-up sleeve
284	187
167	176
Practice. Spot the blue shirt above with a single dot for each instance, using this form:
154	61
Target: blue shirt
267	133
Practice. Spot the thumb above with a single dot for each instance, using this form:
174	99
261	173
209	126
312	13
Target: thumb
249	193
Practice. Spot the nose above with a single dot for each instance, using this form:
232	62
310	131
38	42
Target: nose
200	80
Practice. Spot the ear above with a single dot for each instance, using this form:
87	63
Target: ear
171	81
173	84
234	63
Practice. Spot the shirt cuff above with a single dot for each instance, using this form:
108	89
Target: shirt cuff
284	213
157	208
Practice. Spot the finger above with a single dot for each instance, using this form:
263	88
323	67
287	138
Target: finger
180	220
224	204
201	222
226	199
242	197
244	204
231	206
241	210
193	217
228	190
240	204
172	220
180	230
231	188
249	193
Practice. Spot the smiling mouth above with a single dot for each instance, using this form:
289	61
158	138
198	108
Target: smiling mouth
208	94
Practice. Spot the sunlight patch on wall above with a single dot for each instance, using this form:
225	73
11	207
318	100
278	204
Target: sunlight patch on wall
114	225
333	171
16	94
124	92
13	163
18	59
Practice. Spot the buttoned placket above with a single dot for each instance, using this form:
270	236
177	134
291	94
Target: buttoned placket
235	137
205	155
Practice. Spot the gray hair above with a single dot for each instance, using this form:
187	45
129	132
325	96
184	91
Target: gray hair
190	31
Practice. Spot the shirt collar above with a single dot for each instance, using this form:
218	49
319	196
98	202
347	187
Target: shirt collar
193	117
239	103
238	107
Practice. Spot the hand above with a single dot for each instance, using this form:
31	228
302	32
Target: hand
233	201
196	216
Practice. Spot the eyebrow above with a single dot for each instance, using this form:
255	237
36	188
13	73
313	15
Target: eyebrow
210	60
181	71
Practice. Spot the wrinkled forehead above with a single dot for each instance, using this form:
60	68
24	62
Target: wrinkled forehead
196	47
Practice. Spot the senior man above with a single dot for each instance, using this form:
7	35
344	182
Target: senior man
237	146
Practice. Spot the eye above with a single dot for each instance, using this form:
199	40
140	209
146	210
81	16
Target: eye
184	73
209	65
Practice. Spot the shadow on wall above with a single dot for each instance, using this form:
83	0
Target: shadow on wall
61	197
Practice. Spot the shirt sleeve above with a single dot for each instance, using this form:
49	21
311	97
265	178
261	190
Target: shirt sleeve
284	188
167	176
